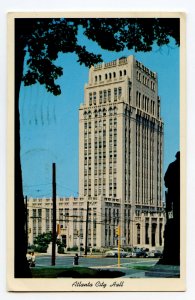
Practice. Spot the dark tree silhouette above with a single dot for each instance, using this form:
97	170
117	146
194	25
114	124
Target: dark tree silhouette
40	41
171	253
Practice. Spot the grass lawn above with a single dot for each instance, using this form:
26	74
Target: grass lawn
73	272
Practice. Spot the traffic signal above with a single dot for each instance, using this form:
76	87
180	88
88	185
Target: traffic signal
118	230
58	229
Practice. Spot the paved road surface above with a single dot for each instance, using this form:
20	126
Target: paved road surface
93	261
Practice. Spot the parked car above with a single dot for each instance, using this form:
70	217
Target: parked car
154	253
114	253
137	253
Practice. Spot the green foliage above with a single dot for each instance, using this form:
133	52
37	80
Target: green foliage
75	248
41	248
43	40
44	238
60	246
42	241
96	250
60	249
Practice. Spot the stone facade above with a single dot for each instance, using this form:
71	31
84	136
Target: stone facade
121	147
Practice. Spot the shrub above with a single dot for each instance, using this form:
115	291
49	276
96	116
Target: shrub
41	248
75	248
60	249
96	250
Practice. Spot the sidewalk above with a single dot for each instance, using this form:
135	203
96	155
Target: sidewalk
156	271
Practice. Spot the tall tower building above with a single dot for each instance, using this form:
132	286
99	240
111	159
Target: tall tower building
121	151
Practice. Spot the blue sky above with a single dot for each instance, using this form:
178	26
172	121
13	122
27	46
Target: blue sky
49	124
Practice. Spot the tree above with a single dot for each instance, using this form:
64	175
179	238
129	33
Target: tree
41	242
41	40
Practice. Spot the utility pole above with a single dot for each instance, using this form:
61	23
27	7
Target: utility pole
53	258
118	232
26	213
79	233
86	231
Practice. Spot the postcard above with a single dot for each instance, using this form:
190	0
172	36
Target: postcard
96	151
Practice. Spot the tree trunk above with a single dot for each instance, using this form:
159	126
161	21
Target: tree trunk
21	269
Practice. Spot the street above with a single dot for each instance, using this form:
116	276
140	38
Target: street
45	260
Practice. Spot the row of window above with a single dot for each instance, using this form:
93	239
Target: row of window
100	145
145	103
101	170
99	128
109	76
105	95
99	123
100	112
146	81
144	187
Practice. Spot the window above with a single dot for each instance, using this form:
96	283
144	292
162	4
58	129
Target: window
120	73
85	114
100	77
110	112
125	72
138	233
109	95
100	97
106	76
114	75
115	94
95	78
152	85
147	233
94	98
139	99
143	102
90	98
105	95
119	92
